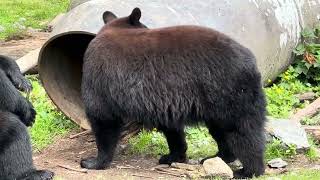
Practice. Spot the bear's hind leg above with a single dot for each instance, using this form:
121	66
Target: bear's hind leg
224	151
177	146
248	147
107	133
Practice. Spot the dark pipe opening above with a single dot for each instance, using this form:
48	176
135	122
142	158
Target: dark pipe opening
60	69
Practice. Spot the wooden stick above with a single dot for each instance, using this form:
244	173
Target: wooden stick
127	167
137	175
164	171
80	134
72	169
171	174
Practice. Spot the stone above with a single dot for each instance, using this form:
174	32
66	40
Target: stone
289	132
193	161
277	163
216	167
306	96
235	165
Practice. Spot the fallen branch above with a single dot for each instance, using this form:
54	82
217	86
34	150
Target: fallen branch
80	134
73	169
137	175
128	167
168	172
309	111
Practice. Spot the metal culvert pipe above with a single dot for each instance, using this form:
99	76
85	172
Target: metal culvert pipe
60	69
271	29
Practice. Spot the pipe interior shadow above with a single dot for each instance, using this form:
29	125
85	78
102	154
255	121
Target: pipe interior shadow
60	63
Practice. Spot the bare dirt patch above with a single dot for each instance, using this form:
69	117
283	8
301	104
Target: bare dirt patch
67	152
19	48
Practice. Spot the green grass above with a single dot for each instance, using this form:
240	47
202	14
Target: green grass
295	175
312	154
29	13
276	149
200	143
50	123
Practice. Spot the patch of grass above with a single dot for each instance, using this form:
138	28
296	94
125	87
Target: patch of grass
50	122
312	153
16	15
200	143
276	149
296	175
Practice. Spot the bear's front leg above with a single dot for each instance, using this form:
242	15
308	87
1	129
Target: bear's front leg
177	146
107	133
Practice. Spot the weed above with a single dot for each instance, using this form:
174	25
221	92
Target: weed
307	61
281	97
276	149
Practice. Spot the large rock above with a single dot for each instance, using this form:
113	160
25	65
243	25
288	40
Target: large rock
216	167
289	132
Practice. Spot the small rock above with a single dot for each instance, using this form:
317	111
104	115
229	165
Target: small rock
306	96
277	163
216	167
235	165
193	161
289	132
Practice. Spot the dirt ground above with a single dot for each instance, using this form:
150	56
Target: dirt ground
64	155
67	152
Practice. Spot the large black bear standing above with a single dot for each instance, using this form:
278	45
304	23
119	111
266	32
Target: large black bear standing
16	112
170	77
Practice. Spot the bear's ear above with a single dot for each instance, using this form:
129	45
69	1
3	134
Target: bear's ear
108	16
135	16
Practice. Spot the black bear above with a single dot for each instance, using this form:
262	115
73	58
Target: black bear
168	78
16	112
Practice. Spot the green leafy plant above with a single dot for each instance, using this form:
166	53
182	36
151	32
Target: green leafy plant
282	96
276	149
307	60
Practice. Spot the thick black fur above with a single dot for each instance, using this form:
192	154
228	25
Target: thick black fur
15	113
11	100
168	78
12	70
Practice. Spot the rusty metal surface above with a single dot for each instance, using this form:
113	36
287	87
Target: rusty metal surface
270	28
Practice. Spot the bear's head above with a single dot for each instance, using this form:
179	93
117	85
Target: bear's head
131	21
